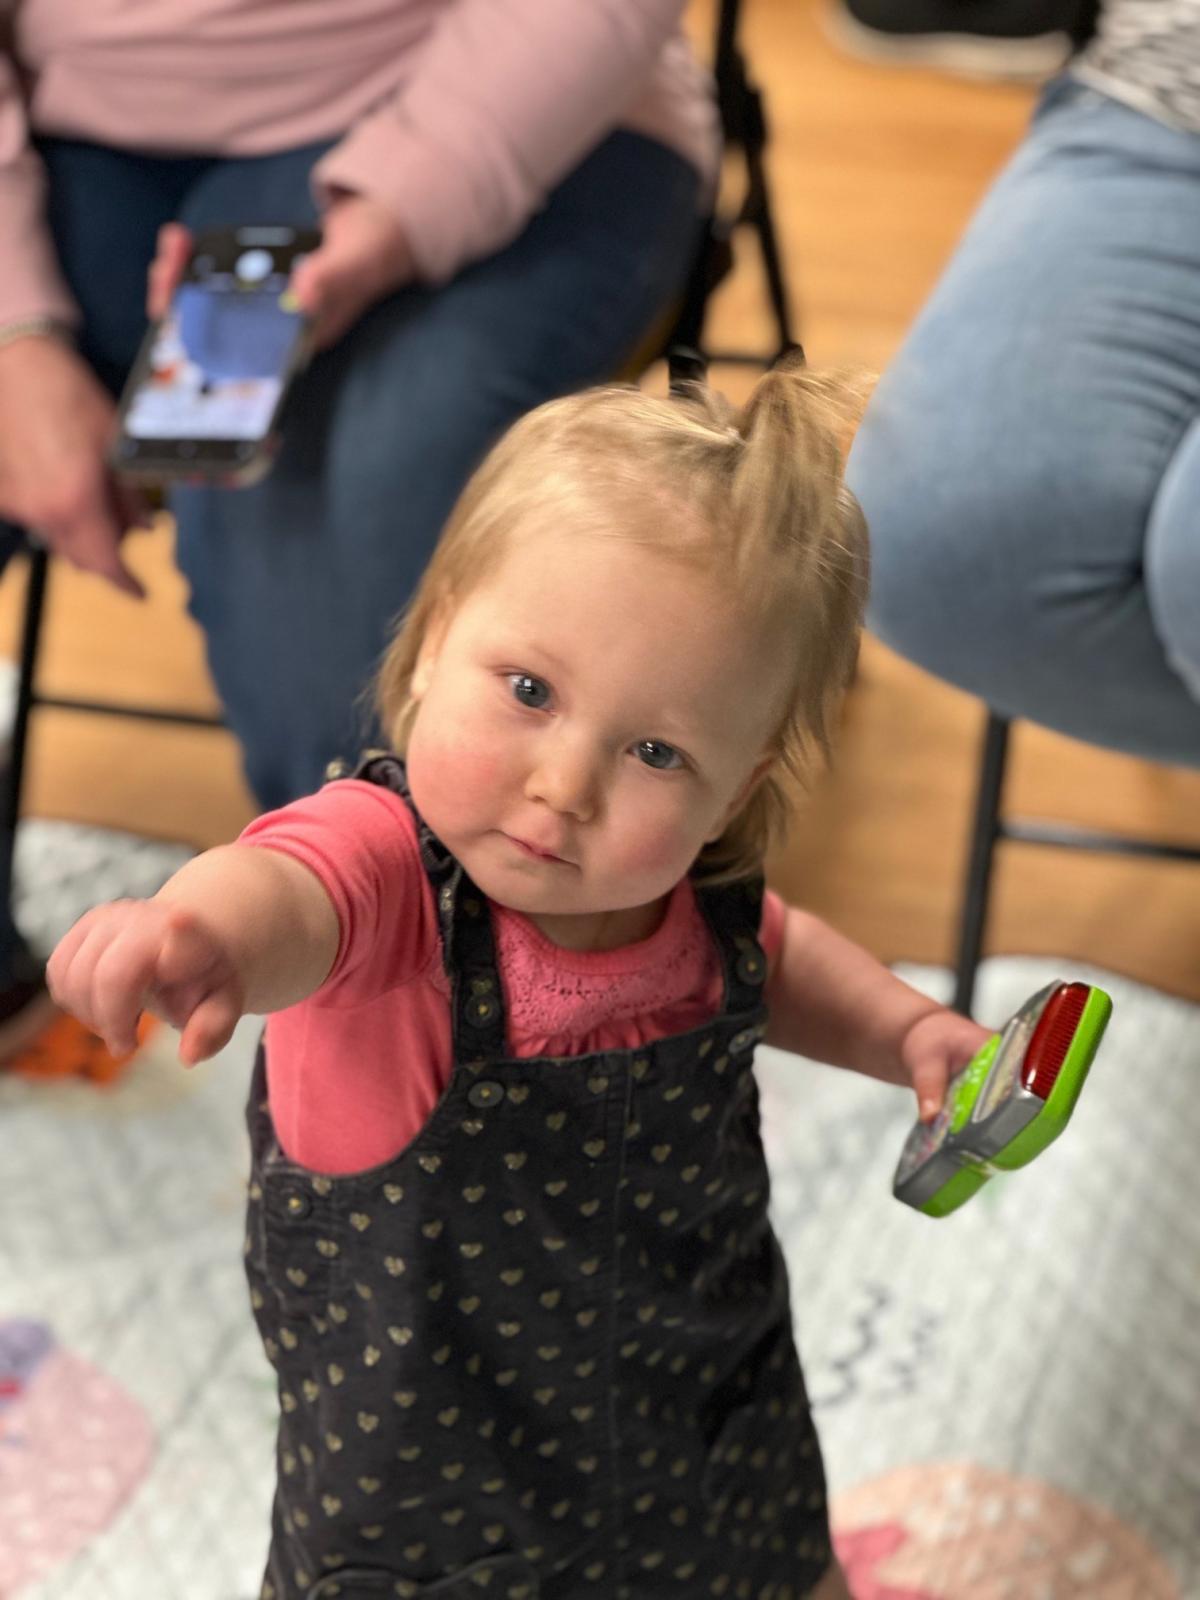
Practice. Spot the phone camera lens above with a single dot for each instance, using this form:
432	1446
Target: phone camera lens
254	265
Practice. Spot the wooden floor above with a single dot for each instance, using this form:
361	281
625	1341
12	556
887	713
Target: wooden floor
874	173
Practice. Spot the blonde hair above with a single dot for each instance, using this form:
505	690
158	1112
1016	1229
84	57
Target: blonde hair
764	503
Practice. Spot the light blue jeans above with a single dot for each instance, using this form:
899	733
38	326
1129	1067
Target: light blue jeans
1030	464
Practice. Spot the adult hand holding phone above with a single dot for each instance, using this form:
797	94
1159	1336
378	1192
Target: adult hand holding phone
363	257
56	423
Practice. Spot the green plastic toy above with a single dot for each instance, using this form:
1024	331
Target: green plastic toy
1013	1099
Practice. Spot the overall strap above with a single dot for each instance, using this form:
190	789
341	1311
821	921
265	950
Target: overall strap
468	944
733	912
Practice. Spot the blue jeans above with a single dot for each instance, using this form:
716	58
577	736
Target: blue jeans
1030	464
297	581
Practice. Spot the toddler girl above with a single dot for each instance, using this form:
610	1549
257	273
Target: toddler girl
508	1243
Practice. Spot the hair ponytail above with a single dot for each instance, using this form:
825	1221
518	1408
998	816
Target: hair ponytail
801	550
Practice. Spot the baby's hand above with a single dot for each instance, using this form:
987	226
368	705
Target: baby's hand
147	955
938	1045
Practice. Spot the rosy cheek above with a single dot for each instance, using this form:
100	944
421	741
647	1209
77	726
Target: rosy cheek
452	775
656	847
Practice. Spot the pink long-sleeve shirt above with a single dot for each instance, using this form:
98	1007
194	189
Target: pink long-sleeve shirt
461	115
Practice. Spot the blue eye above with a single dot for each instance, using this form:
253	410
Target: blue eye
662	757
529	691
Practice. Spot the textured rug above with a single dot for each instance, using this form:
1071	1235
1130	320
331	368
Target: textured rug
1009	1398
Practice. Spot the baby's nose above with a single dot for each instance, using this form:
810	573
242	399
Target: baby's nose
567	779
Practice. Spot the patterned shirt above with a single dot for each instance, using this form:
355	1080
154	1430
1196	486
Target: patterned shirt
1147	54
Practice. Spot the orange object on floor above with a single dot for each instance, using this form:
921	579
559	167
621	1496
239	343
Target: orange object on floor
65	1048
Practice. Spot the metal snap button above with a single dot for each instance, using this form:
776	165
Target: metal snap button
297	1204
742	1040
751	968
487	1093
338	768
481	1010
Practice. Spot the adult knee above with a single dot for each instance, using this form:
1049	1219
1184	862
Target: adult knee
1179	629
929	597
1172	567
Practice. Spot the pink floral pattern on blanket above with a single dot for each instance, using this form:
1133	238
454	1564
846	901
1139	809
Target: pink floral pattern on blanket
945	1531
863	1551
73	1446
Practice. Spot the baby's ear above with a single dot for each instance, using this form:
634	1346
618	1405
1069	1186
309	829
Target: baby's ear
431	646
757	775
422	673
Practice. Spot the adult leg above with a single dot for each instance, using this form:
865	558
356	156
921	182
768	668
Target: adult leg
1173	560
105	208
297	581
1011	461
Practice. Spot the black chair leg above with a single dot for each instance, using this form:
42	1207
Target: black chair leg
977	886
13	776
744	125
768	241
757	211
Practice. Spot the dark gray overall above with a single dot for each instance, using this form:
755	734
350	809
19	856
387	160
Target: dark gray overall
546	1351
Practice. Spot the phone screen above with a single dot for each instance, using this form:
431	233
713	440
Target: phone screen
218	362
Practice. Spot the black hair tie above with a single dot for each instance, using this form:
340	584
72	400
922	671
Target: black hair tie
687	371
792	353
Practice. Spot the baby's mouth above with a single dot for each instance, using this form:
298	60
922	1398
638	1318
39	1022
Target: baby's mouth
535	852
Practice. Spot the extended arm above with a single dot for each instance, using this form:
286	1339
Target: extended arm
239	929
269	912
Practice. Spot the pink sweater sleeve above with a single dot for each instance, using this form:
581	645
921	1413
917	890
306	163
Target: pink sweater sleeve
31	284
506	98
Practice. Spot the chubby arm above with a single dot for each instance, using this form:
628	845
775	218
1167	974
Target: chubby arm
238	929
833	1001
269	912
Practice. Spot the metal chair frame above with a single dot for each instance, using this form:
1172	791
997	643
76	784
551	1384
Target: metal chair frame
991	827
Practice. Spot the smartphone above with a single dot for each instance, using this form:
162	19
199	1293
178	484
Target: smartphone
204	399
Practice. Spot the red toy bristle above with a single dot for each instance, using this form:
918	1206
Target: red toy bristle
1052	1038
